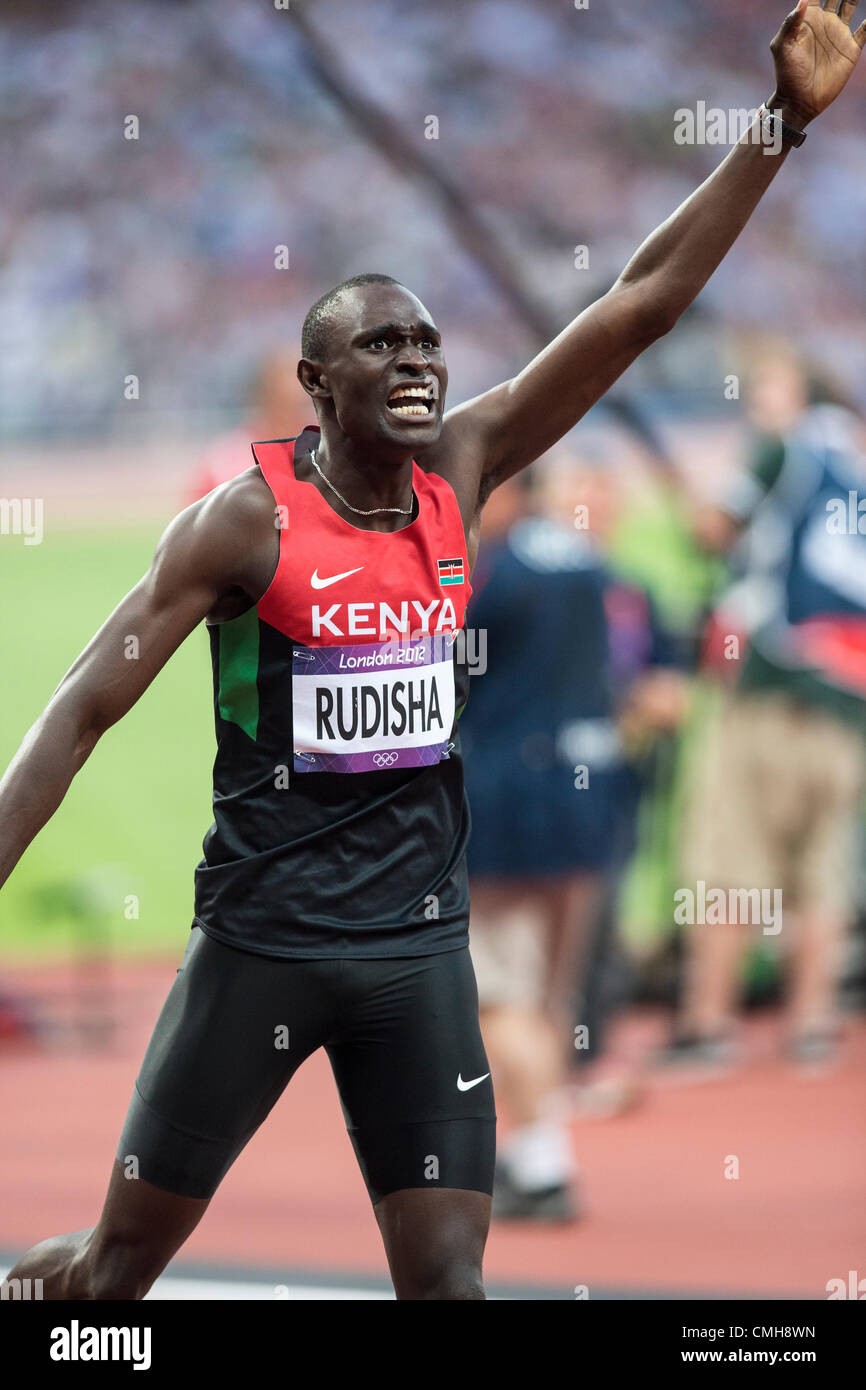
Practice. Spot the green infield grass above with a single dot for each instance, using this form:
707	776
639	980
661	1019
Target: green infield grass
117	859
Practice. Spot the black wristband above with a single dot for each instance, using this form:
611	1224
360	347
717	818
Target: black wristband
790	135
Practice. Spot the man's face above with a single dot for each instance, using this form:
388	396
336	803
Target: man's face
384	371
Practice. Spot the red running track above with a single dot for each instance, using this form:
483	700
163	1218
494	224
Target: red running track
661	1217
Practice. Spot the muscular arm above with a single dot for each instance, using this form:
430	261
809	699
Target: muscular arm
506	428
209	554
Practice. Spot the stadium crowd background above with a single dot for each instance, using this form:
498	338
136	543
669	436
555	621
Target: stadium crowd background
155	258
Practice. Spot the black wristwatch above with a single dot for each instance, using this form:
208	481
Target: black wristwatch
790	135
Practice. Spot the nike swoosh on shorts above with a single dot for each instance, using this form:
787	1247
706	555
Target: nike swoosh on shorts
467	1085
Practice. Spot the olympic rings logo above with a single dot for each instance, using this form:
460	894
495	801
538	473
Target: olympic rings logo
385	759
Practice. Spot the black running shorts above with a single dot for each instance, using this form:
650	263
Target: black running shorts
404	1044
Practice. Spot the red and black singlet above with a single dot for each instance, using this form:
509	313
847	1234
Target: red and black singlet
340	819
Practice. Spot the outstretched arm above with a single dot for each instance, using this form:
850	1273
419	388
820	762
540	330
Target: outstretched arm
203	556
815	53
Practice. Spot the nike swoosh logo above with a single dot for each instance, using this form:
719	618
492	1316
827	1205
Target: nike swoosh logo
318	583
467	1085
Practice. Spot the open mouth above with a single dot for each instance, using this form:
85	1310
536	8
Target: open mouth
409	401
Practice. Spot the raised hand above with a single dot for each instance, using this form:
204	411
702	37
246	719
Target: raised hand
815	53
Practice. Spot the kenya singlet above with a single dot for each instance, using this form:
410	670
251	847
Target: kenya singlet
340	819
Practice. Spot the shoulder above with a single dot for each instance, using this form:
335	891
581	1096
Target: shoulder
459	456
230	535
228	513
243	499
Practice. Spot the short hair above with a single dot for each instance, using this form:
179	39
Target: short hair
315	332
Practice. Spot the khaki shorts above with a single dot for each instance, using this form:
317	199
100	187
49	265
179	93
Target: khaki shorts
772	800
525	940
508	953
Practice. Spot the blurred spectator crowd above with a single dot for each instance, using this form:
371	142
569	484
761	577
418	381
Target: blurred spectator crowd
155	256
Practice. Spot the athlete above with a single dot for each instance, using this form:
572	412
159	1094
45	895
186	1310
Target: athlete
331	903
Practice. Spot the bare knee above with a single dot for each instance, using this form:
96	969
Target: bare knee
435	1241
119	1275
117	1267
90	1265
52	1266
141	1229
453	1280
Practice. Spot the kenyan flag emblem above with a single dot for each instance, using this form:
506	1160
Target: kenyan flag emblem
450	572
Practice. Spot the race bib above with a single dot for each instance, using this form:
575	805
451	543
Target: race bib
372	707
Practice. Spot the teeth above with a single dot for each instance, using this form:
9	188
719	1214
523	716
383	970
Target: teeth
420	391
409	410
